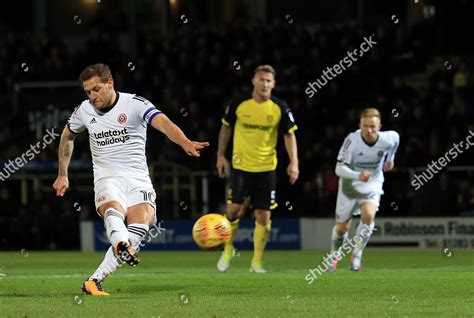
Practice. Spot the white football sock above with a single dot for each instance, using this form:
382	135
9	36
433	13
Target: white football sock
137	233
361	238
336	240
110	263
107	267
115	226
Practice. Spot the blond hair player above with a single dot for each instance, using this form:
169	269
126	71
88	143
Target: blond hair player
364	156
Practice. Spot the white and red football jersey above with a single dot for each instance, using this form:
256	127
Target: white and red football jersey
360	156
117	137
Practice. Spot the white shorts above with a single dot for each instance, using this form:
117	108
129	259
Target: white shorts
125	190
347	207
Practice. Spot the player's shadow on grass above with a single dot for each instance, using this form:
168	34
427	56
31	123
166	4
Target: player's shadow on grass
42	295
139	288
16	295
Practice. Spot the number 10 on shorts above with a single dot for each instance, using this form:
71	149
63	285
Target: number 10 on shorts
147	196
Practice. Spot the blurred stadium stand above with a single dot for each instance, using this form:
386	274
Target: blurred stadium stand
419	75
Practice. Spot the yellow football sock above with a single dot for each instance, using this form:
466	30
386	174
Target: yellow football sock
229	245
261	235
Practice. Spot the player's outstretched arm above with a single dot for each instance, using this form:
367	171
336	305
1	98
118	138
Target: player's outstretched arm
66	146
175	134
292	149
222	165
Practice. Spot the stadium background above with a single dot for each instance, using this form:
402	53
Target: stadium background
190	57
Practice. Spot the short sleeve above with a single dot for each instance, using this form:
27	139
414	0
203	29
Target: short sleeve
287	123
145	109
75	123
230	117
345	153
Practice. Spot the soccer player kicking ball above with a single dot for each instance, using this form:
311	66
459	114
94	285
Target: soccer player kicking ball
363	157
256	121
124	195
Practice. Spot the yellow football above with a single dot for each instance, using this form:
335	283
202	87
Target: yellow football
211	231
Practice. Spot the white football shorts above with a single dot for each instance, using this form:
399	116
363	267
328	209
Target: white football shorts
127	191
347	207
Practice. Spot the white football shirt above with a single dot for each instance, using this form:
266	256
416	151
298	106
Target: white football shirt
117	137
360	156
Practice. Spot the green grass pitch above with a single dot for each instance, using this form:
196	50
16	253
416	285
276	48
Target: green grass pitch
393	283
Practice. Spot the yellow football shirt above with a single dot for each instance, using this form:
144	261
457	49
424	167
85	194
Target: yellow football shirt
256	129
